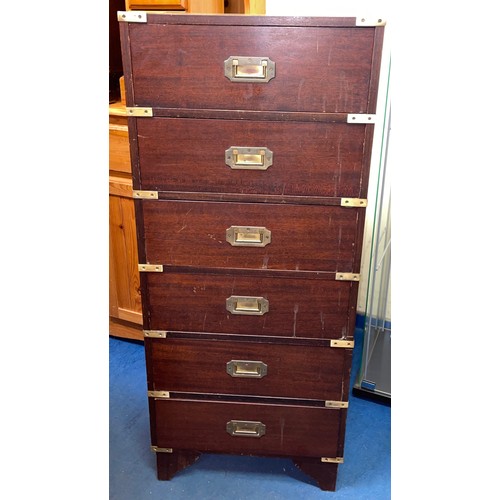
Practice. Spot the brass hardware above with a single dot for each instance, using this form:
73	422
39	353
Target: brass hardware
245	428
360	118
246	369
244	158
140	112
161	450
342	343
336	404
247	305
347	276
336	460
155	334
159	394
241	236
137	16
145	195
370	21
151	268
249	69
353	202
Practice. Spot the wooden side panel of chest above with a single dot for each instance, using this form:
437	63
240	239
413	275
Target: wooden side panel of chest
250	141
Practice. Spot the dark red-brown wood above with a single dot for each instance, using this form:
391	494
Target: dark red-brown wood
325	69
313	238
309	159
297	307
317	69
325	474
168	464
290	430
251	114
252	20
293	371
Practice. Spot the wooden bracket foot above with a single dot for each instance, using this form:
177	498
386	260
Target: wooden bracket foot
168	464
325	474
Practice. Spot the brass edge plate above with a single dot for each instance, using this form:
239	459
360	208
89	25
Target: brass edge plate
370	21
353	202
347	276
159	394
156	449
140	112
155	334
151	268
136	16
336	460
360	118
145	195
349	344
336	404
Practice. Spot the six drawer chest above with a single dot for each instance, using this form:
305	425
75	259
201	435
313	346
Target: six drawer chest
250	141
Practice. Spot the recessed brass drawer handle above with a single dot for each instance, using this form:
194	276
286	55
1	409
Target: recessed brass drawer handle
245	428
245	158
249	69
246	369
256	306
244	236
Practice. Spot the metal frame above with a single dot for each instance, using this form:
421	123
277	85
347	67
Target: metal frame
374	377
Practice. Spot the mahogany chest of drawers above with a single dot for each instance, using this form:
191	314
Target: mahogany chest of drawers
250	141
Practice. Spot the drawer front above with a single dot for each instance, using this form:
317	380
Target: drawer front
289	430
308	159
246	368
298	237
296	307
316	69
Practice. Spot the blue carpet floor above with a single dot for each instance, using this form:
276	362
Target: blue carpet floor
365	473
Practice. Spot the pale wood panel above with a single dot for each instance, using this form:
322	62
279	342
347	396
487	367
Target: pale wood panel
125	330
123	99
206	7
119	151
117	127
120	186
255	6
113	293
118	109
155	4
124	250
130	239
125	308
132	316
191	6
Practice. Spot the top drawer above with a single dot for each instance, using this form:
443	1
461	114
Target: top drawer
183	62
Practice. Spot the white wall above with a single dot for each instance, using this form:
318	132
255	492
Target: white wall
343	8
